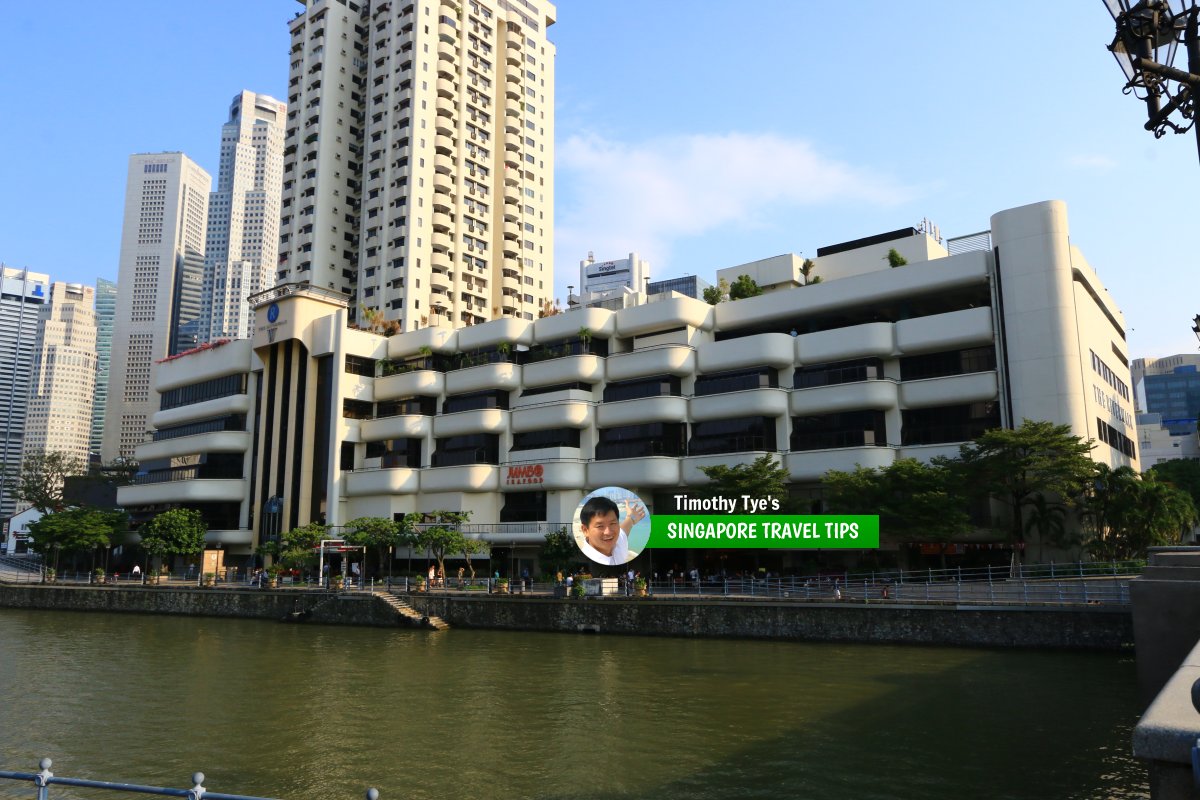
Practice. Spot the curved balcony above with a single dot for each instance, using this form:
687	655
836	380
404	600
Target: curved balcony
197	490
447	51
403	426
443	142
690	466
461	423
643	409
420	382
746	403
512	141
968	328
600	322
678	312
877	395
761	350
392	480
443	184
212	442
445	165
230	538
438	338
568	369
512	230
469	478
671	359
490	334
512	108
511	196
512	173
446	88
635	473
546	416
871	340
512	76
927	452
514	40
485	376
977	387
230	358
512	283
810	465
441	241
440	262
551	474
219	407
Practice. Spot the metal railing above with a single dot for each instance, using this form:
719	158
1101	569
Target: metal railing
44	779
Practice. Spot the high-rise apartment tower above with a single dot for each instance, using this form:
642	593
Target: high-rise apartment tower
159	285
419	158
22	294
242	245
59	419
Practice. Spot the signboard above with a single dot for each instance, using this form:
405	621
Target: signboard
521	474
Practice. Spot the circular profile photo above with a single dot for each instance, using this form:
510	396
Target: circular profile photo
611	525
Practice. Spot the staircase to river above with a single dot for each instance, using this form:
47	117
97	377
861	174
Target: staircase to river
401	606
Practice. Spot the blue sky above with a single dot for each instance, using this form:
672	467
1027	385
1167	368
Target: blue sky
690	132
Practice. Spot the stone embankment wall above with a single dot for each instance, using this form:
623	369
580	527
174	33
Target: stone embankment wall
1091	628
319	607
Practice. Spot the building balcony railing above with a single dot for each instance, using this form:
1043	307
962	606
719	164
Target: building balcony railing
189	473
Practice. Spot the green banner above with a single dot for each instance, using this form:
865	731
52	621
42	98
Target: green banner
765	531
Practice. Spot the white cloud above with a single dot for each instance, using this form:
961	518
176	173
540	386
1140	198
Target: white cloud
1091	161
617	197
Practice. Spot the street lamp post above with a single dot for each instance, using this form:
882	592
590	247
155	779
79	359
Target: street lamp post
1148	35
1196	326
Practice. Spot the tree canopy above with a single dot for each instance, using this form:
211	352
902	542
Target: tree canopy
762	478
1126	513
1015	466
41	478
716	294
560	553
743	287
76	530
443	536
915	501
298	547
175	532
379	534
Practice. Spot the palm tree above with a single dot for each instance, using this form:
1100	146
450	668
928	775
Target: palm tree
1048	521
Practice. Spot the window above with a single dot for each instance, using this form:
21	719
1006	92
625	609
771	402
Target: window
553	437
638	441
747	434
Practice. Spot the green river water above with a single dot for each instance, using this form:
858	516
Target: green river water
295	711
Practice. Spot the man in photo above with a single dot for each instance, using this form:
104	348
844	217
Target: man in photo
605	535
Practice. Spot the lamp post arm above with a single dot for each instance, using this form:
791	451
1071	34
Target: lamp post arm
1146	64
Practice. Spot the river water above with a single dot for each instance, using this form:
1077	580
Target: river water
310	712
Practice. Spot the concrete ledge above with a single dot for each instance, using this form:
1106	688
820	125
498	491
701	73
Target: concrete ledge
1086	628
1167	732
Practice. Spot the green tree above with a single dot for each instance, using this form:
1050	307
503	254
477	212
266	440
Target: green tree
1182	473
75	530
1048	520
443	536
41	477
176	532
762	478
1015	466
1127	513
379	534
743	287
559	552
894	258
716	294
915	501
473	547
806	270
297	548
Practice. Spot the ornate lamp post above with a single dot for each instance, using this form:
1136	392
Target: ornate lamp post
1196	326
1149	33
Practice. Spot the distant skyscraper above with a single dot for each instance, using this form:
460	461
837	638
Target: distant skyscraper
419	158
241	250
159	285
22	294
106	308
59	418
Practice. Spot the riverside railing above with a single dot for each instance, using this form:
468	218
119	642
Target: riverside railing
43	780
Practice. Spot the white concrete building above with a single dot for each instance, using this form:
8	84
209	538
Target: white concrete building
59	418
16	535
419	158
159	286
515	420
22	295
606	280
242	243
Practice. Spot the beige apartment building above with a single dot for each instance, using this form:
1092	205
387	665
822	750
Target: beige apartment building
59	416
419	154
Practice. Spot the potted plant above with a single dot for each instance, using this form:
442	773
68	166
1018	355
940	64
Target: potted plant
51	575
420	583
502	586
273	573
585	336
504	348
210	579
578	589
98	575
337	582
640	586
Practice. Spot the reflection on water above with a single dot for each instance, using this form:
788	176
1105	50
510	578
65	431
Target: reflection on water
323	712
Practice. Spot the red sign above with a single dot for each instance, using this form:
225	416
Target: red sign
524	473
